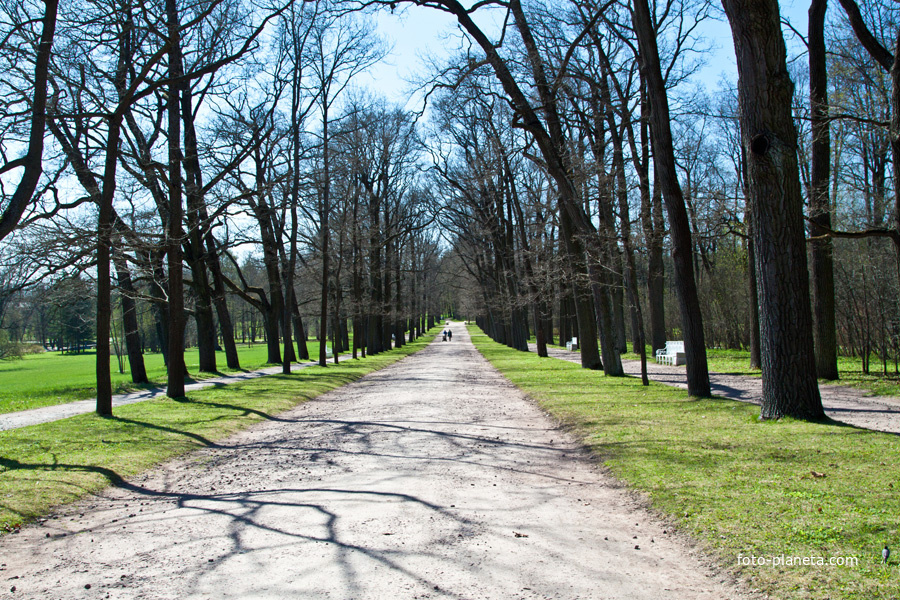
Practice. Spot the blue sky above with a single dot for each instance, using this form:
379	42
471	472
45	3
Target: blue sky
419	32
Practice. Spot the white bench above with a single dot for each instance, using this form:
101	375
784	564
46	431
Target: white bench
572	346
672	354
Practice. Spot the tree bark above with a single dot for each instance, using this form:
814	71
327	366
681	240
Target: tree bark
325	234
299	330
203	309
272	311
176	371
32	161
755	355
129	320
581	294
104	246
770	139
825	335
226	325
631	284
890	63
661	136
159	292
653	224
656	274
373	321
195	249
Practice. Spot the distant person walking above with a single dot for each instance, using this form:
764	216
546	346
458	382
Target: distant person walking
449	336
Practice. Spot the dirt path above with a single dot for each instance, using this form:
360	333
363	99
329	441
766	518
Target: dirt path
845	404
432	478
46	414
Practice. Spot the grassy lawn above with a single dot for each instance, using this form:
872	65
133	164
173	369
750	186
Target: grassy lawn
45	465
737	362
741	486
54	378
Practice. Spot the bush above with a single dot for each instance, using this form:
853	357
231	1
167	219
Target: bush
10	350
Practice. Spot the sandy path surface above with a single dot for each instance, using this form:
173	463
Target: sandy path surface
46	414
432	478
842	403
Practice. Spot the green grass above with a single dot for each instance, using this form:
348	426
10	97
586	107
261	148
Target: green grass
46	465
739	485
53	378
733	362
737	362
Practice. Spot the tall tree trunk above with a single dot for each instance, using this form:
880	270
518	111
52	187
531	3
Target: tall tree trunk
891	64
565	333
32	161
399	338
203	309
656	275
661	135
755	358
386	308
159	292
537	304
582	294
271	324
104	245
825	335
177	369
194	247
299	330
129	319
637	322
765	93
325	234
205	244
272	310
606	321
220	300
653	224
617	294
106	217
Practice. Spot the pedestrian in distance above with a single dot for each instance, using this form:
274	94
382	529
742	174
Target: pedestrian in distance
449	336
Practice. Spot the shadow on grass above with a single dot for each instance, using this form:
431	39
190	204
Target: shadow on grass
194	436
11	464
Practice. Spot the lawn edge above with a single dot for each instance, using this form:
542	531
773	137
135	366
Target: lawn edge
242	424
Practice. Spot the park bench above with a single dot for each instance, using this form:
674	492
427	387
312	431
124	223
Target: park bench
672	354
572	345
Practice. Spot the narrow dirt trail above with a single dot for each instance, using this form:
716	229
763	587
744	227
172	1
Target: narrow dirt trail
432	478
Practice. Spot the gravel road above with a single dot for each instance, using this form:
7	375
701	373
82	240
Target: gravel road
432	478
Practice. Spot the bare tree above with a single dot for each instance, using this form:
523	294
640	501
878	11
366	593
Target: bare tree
664	162
765	94
820	205
31	162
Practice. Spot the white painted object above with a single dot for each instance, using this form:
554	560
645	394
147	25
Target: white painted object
673	354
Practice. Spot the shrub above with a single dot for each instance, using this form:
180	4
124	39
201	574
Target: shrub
9	350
